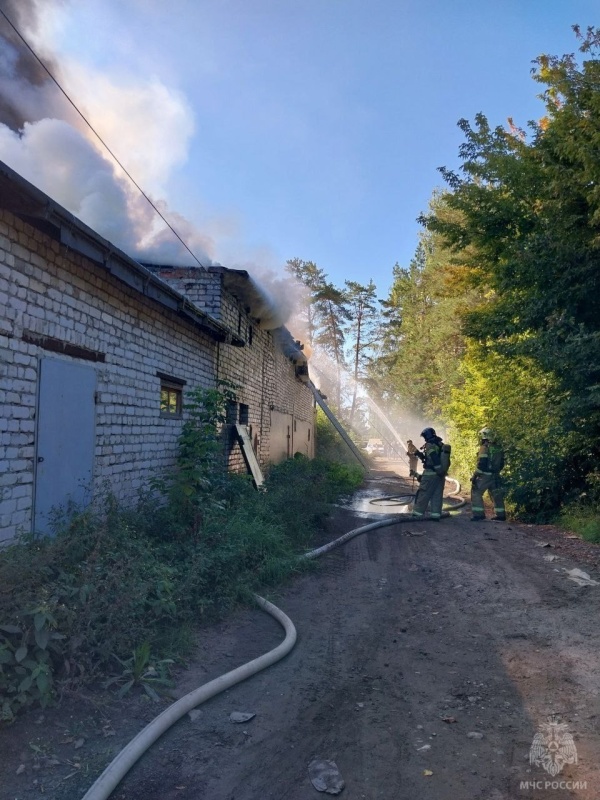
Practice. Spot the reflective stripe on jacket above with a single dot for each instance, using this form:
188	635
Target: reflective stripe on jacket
490	459
436	461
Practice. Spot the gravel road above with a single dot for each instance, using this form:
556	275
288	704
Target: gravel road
429	656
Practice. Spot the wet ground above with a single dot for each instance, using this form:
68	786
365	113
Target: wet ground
429	658
383	495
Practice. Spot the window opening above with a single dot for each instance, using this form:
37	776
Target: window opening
231	412
244	414
171	399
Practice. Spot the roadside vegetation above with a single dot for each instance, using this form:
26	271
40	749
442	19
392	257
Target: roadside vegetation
114	596
495	321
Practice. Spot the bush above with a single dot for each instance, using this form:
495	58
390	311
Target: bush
329	444
115	581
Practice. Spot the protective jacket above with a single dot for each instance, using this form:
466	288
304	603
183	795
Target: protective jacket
431	486
490	459
412	453
486	478
437	457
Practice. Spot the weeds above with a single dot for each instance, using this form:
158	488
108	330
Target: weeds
582	514
122	586
582	519
140	670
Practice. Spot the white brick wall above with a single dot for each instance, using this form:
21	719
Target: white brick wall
49	291
66	297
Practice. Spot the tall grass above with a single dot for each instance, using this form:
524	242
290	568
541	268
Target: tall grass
73	607
583	520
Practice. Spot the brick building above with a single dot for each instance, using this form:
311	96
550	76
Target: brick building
97	352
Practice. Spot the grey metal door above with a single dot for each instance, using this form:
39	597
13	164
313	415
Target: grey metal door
65	440
280	437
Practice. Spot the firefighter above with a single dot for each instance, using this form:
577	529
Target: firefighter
435	456
411	453
486	478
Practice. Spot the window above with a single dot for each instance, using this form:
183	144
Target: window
171	396
231	412
244	414
170	400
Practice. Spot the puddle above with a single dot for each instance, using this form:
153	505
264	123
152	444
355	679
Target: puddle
361	503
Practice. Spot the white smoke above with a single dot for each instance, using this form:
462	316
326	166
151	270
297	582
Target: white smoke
281	292
64	164
145	123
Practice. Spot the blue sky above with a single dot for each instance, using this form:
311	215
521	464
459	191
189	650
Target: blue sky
304	128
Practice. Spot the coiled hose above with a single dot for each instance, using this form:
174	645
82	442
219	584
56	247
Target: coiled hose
124	761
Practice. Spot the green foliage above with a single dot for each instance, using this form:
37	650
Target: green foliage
201	470
528	213
322	480
496	321
361	329
582	513
522	404
331	447
582	519
122	586
141	670
421	338
26	653
343	324
324	315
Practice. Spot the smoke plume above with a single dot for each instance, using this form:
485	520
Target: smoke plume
25	87
45	140
146	124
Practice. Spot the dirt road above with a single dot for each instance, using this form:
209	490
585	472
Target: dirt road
429	655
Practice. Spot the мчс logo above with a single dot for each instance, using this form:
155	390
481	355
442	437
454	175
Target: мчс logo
553	746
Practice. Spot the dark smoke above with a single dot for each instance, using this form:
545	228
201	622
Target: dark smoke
44	139
27	93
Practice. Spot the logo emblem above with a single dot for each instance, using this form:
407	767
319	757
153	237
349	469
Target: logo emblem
553	746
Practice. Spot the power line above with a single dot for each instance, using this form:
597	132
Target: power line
100	139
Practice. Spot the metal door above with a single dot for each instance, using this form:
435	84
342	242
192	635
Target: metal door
65	440
280	437
303	438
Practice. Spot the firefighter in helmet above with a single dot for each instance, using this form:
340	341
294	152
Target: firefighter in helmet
412	455
435	457
486	478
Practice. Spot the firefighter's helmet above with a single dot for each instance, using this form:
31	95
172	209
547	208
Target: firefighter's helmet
428	434
487	433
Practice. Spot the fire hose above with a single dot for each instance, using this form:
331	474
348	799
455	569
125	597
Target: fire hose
132	752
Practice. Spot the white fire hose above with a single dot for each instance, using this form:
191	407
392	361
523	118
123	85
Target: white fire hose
124	761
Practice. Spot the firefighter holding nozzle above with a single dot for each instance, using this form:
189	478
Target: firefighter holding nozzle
435	457
413	457
486	478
